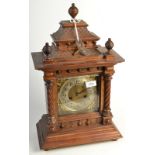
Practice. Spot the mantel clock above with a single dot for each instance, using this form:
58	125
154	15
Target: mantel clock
77	75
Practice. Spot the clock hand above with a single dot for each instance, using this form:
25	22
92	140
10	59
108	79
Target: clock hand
84	90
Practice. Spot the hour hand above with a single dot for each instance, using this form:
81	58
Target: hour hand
81	92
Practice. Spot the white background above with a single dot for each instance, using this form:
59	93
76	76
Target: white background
130	24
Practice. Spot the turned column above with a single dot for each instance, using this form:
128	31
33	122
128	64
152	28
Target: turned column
107	115
51	95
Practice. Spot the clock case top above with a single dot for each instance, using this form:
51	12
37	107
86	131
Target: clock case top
61	51
66	58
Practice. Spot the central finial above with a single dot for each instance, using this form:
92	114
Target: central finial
73	11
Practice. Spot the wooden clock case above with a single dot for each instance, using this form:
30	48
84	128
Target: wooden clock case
61	60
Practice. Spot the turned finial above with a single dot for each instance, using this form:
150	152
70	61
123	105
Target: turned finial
109	44
46	49
73	11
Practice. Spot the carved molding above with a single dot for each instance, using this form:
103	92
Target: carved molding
79	123
79	71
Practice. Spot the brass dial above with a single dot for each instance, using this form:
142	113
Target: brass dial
76	97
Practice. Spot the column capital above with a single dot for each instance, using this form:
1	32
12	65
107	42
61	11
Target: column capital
109	71
48	76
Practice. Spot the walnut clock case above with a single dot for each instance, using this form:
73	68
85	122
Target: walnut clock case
77	75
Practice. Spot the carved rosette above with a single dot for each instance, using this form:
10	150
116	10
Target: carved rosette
107	115
51	87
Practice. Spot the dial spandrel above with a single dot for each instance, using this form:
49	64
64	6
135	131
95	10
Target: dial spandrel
76	97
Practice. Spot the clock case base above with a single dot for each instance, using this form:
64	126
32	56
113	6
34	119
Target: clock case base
75	137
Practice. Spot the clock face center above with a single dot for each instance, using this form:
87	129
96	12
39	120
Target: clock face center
77	92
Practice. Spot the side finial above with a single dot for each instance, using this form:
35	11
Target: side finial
46	49
109	44
73	11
